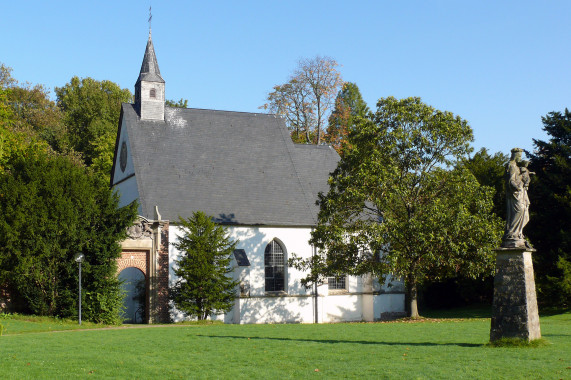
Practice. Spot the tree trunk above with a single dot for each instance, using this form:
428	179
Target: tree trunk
412	295
318	118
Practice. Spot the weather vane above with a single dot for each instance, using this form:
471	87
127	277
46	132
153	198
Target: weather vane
150	18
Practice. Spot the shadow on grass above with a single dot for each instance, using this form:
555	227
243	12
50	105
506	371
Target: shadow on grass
335	341
483	311
551	311
466	312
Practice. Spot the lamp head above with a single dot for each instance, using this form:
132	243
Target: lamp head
79	257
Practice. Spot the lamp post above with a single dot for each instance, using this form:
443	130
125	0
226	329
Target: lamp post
79	259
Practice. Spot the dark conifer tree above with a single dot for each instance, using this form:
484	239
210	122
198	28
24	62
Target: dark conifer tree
549	228
205	285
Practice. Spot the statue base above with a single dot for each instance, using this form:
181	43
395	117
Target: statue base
514	311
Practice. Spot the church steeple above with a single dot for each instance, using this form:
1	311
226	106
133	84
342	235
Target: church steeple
150	86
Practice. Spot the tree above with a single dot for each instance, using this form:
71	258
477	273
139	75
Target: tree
394	206
6	79
14	141
34	111
181	103
459	291
50	209
305	100
31	111
291	101
19	144
91	112
204	284
6	114
549	226
489	171
349	105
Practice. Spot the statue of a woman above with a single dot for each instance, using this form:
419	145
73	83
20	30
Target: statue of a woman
517	202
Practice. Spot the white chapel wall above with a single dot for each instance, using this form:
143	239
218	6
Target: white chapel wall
297	304
128	192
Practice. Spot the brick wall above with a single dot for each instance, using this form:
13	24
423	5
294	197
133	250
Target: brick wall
133	258
139	259
163	277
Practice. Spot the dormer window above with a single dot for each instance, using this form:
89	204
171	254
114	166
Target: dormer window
153	93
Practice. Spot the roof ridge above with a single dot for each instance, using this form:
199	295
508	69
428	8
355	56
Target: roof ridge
230	111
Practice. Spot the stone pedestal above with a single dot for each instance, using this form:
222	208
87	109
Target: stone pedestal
514	313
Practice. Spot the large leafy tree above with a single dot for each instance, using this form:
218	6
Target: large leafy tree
395	206
91	112
28	110
35	112
549	228
306	99
489	171
349	105
13	140
455	291
50	209
204	284
6	114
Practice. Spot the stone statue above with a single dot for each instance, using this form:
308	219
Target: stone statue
517	182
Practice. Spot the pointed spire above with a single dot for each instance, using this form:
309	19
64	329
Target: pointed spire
150	67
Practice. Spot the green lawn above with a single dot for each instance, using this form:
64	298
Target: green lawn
439	348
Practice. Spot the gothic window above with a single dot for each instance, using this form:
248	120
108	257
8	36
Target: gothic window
274	265
336	283
153	93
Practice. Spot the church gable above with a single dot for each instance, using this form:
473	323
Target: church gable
123	177
122	161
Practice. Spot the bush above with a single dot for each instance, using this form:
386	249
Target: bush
105	307
52	208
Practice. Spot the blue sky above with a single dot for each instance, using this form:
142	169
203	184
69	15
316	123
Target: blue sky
501	65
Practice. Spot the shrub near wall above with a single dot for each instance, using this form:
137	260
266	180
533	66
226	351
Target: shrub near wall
51	209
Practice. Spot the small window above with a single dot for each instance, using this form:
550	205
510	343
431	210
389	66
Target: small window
153	93
274	266
336	283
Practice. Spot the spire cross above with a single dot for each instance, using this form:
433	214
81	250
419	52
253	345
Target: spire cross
150	18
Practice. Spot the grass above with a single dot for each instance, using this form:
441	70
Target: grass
432	349
518	342
22	324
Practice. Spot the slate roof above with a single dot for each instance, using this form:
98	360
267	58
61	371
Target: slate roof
242	168
150	67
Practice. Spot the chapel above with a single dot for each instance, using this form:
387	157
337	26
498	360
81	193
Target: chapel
244	170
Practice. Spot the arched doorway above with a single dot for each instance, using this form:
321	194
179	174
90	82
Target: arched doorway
135	288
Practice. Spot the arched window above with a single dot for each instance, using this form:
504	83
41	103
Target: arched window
153	93
274	263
